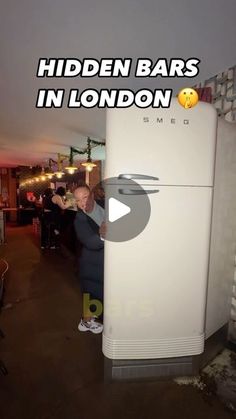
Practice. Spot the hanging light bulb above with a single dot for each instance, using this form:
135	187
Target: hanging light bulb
89	165
59	173
49	172
43	176
71	169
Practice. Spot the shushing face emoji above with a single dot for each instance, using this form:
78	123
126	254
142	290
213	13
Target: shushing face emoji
188	98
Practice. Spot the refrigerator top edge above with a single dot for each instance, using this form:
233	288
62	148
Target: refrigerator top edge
174	106
176	145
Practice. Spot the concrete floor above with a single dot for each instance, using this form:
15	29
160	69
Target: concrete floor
57	372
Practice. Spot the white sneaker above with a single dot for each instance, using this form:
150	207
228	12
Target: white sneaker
91	326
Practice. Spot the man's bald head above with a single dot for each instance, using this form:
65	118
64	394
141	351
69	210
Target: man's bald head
84	198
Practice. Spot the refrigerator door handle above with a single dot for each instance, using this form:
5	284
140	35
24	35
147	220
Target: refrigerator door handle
136	176
137	191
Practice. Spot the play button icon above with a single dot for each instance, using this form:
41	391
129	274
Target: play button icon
127	208
117	210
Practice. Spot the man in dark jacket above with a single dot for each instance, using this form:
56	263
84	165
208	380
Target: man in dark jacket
91	261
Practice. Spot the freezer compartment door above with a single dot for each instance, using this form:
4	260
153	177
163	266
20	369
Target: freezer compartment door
155	284
175	145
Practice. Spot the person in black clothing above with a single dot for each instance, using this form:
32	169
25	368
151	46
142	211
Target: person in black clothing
53	206
47	220
47	198
91	259
58	206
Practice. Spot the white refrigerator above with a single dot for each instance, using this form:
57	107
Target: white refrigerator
155	284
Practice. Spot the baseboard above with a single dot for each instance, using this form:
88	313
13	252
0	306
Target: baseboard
165	368
150	369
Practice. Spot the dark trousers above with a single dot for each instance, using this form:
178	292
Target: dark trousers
48	237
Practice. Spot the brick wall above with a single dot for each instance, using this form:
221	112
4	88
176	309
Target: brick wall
222	88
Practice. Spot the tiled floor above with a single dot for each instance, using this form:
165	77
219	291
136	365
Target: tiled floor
55	371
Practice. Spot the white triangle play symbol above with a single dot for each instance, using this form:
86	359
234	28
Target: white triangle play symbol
117	209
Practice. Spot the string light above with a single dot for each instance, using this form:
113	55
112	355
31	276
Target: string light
71	168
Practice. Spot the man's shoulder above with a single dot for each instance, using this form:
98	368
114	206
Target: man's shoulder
80	215
82	218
